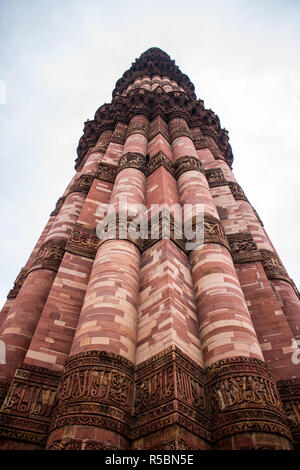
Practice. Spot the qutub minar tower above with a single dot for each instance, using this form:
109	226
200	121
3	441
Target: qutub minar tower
128	343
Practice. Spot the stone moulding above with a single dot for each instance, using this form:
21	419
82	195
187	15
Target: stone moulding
96	389
17	284
237	191
170	389
159	126
158	160
58	206
83	241
134	160
273	267
289	390
26	410
151	104
187	163
82	184
106	172
50	255
243	248
105	390
213	230
215	177
244	398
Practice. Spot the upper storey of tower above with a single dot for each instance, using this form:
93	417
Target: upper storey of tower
150	66
153	86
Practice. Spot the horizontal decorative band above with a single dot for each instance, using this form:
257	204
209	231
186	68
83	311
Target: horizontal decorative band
133	160
77	444
105	390
201	143
243	248
82	184
25	413
237	191
83	241
17	284
289	391
161	227
159	126
244	398
180	132
96	389
119	134
120	226
160	159
272	265
50	255
215	177
187	163
212	230
144	233
106	172
58	206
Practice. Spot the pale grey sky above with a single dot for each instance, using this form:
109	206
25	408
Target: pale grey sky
60	59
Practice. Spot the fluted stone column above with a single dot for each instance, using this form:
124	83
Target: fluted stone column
104	345
258	267
228	338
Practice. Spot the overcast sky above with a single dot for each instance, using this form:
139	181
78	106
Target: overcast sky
60	60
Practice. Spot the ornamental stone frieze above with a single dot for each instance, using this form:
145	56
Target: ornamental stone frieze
168	105
121	226
82	184
119	134
138	125
58	206
243	248
215	177
164	225
105	390
273	266
96	390
78	444
187	163
26	410
237	191
170	389
159	126
133	160
211	228
201	143
106	172
290	395
244	398
179	128
17	284
50	255
160	159
83	241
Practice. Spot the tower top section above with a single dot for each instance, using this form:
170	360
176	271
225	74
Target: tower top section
154	86
154	62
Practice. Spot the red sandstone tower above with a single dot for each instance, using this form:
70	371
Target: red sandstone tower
128	343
